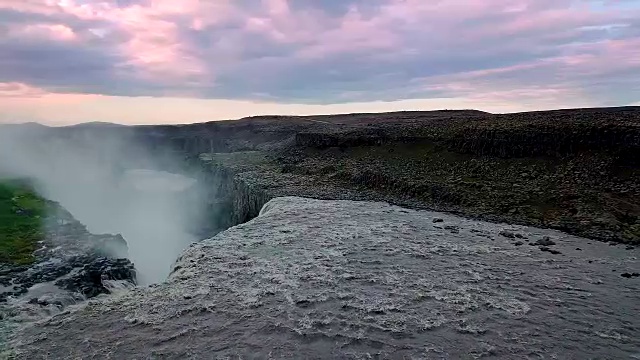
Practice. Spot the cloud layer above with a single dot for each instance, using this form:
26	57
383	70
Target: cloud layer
320	52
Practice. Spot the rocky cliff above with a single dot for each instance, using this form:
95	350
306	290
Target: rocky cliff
574	170
70	265
231	199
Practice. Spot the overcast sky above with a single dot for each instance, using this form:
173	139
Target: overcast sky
177	61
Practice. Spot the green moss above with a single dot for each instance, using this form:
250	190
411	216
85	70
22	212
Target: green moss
21	218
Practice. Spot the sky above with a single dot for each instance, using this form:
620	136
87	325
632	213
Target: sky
183	61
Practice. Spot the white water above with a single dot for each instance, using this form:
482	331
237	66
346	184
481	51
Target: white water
144	206
84	173
357	280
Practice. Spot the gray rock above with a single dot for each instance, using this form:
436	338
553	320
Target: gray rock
549	250
630	275
453	229
545	241
507	234
76	260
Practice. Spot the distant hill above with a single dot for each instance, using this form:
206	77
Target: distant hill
345	118
95	124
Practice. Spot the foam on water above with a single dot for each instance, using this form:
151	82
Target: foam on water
343	279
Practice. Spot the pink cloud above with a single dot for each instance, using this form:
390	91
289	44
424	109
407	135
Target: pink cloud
153	43
316	33
354	33
600	58
501	47
19	90
30	6
592	58
450	23
57	32
276	21
570	75
277	8
521	96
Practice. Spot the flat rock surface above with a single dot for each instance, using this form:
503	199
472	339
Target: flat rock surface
343	279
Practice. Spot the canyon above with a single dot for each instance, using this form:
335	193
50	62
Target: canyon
419	234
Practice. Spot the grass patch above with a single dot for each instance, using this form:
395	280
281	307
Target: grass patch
22	214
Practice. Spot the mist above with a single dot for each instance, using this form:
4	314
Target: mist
110	183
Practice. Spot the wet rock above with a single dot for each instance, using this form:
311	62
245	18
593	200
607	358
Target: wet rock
630	275
110	245
44	302
549	250
545	241
287	168
68	248
33	301
90	280
518	243
508	234
304	303
438	220
520	236
453	229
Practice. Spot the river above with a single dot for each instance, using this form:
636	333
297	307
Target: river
356	280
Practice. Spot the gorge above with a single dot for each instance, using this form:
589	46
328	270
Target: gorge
504	224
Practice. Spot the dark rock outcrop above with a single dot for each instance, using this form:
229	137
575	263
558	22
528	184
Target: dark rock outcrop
630	275
91	280
545	241
71	258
